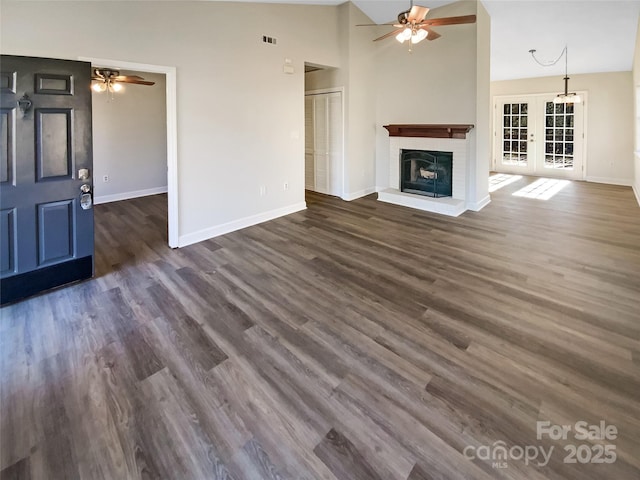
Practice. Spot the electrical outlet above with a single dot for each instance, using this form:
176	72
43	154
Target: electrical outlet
263	190
285	186
105	178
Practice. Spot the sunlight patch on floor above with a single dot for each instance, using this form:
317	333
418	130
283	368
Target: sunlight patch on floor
542	189
499	180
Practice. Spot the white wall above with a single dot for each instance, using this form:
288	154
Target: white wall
479	177
609	127
238	113
357	76
442	81
636	89
130	140
360	103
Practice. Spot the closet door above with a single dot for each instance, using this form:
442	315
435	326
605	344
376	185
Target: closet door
309	141
321	143
324	143
335	129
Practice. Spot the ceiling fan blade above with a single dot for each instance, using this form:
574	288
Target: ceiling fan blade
135	81
374	25
122	78
450	20
431	34
132	79
417	14
390	34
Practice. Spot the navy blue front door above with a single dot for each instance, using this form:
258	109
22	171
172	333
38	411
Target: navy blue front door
46	166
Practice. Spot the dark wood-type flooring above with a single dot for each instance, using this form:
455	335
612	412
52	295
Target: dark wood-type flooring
354	340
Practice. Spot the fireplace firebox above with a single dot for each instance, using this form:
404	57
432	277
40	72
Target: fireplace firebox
426	172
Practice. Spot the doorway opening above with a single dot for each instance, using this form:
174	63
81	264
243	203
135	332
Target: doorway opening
129	140
324	131
171	132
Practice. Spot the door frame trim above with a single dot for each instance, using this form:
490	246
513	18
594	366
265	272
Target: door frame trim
339	90
172	133
494	124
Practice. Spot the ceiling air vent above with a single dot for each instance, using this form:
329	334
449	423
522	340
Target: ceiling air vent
267	39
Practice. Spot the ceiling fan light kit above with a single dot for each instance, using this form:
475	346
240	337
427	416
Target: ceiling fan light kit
414	25
415	35
107	79
99	87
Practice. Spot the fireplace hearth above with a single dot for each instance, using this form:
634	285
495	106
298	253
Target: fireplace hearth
426	172
437	185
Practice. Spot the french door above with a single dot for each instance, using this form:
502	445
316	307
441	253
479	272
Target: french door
535	136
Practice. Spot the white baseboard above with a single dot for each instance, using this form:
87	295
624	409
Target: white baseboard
362	193
477	206
636	190
234	225
611	181
128	195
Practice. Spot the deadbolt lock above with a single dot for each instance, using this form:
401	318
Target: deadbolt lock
85	196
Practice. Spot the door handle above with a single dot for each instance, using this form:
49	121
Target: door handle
25	104
86	201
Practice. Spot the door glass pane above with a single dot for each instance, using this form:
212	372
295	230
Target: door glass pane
514	134
559	139
569	121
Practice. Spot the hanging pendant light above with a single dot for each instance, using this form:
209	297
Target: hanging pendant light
564	97
567	97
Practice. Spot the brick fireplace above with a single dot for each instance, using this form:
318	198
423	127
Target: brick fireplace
426	141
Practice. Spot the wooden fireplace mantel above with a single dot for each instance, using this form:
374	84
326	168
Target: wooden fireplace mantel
429	130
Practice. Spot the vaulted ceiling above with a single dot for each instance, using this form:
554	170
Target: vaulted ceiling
600	34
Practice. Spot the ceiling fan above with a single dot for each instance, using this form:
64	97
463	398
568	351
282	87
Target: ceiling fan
108	79
413	25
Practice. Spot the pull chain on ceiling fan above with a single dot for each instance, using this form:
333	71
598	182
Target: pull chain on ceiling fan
414	26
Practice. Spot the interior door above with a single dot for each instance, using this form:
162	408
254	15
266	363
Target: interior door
324	143
322	170
46	228
535	136
309	141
